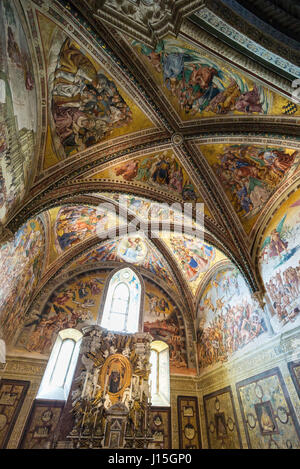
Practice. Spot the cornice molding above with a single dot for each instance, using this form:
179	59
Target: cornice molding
144	20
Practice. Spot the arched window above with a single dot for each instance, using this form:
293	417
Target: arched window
59	372
122	304
160	374
119	307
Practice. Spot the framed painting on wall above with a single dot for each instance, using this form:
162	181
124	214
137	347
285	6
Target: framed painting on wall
294	369
12	395
160	428
188	422
221	421
269	419
41	424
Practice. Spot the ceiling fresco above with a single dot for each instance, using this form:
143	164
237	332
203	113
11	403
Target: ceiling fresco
18	111
92	115
199	85
86	104
194	257
250	174
159	170
135	250
71	225
148	210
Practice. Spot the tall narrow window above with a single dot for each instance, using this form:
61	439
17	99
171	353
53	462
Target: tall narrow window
122	304
59	372
119	307
160	374
63	362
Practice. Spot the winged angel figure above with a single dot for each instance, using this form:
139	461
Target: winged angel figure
274	245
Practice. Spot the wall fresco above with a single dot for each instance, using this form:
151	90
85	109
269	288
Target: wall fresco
221	421
188	423
160	428
12	395
41	424
163	321
268	415
279	262
228	318
18	110
77	303
73	304
21	263
294	369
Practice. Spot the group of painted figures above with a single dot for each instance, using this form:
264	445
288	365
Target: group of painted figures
73	224
194	256
231	329
251	175
67	308
17	90
21	264
158	170
198	84
283	289
229	318
86	105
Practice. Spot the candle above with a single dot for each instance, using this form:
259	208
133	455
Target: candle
105	385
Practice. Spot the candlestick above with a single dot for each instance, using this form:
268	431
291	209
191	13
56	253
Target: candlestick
105	385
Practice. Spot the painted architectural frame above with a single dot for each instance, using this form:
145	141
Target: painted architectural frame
221	420
268	416
160	428
294	369
12	395
41	424
188	423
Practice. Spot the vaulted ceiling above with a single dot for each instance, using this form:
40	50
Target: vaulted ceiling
189	103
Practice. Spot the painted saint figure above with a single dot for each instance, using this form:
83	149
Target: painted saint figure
86	105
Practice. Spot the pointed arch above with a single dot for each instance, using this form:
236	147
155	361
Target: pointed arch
122	302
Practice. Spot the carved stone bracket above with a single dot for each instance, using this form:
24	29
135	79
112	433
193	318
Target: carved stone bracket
145	20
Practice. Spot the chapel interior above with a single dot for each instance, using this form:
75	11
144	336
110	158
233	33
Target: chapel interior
150	224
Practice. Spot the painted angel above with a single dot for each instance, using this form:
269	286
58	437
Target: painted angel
275	242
